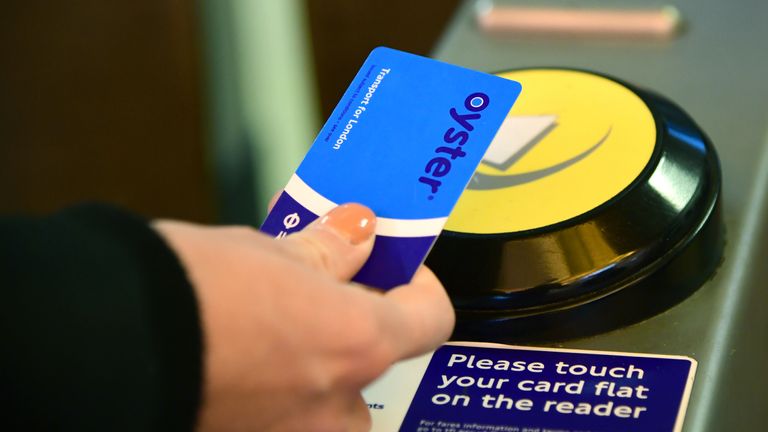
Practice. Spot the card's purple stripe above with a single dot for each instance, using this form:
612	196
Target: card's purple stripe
287	216
393	261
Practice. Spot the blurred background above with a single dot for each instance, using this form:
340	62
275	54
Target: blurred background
201	110
197	110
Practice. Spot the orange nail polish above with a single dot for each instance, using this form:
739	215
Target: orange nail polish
354	222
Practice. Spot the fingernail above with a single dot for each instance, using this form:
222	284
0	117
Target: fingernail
353	222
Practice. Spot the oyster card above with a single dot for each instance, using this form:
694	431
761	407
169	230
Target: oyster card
404	140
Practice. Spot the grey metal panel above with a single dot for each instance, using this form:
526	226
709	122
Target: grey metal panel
716	70
262	103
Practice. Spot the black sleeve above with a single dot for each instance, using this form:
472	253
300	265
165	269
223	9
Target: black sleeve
99	327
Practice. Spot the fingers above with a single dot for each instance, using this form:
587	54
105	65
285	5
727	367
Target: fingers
359	415
417	317
346	412
338	243
342	413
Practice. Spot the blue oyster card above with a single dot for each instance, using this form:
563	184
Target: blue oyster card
404	140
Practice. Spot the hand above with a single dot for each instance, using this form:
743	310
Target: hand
289	341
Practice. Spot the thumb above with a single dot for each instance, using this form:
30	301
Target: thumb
338	243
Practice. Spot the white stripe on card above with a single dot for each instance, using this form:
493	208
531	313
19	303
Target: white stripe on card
320	205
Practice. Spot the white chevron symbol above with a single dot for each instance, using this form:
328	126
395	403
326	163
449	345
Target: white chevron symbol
516	136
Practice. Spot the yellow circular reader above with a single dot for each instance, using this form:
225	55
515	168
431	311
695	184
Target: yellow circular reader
596	206
572	142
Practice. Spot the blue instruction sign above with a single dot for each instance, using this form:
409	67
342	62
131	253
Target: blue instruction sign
471	388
